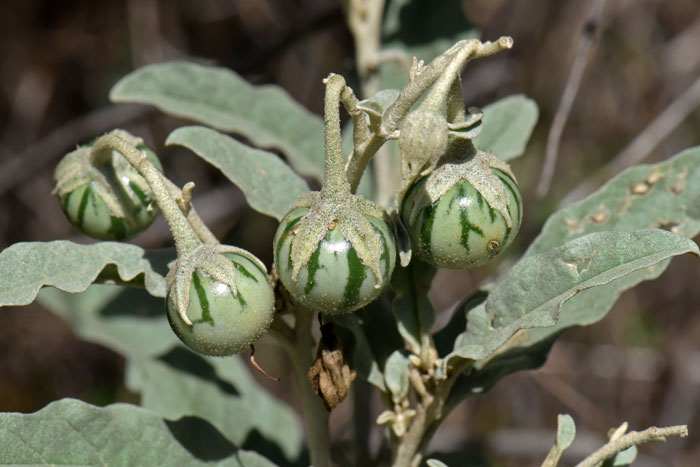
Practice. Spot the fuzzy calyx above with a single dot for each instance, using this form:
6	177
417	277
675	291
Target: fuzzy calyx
346	213
208	259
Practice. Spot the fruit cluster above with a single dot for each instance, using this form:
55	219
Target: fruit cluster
334	251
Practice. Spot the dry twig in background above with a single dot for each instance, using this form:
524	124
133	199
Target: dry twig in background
644	143
569	95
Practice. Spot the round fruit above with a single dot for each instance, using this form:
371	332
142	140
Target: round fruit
221	323
335	280
86	206
460	230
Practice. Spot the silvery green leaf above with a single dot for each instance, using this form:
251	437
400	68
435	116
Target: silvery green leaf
396	371
532	294
172	381
27	267
622	458
566	432
126	320
664	195
71	432
217	97
507	125
181	383
268	184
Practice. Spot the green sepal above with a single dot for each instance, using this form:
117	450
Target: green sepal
348	215
469	128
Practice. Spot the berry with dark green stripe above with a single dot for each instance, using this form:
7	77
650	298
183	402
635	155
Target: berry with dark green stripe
225	300
334	251
107	200
334	279
464	214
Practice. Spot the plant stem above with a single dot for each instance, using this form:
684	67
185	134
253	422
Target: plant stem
632	439
299	344
364	19
429	414
460	54
186	239
335	182
192	216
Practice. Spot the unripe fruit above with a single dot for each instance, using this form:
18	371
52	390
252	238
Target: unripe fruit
460	229
334	280
224	324
108	202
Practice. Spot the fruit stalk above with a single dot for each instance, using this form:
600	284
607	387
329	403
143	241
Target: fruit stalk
335	182
186	239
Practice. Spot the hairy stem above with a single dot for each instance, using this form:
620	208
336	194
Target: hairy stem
632	438
192	216
299	344
186	239
334	180
457	56
431	411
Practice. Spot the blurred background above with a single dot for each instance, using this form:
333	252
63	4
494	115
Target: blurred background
641	364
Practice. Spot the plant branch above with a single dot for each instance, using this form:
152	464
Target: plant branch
186	239
334	177
299	344
364	19
205	235
430	412
572	85
632	439
395	113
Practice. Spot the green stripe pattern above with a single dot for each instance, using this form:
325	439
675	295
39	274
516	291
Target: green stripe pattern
221	323
335	280
88	212
460	230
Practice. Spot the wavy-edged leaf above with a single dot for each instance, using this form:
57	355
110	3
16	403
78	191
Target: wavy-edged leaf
507	126
268	184
222	391
27	267
664	195
71	432
532	293
219	98
175	382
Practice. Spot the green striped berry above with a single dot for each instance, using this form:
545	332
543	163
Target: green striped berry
334	280
224	324
109	202
460	229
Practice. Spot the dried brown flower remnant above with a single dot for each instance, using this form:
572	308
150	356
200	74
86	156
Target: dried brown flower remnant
330	376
